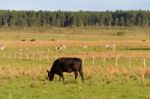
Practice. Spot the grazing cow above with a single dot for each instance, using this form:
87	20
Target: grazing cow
2	47
60	47
66	64
113	46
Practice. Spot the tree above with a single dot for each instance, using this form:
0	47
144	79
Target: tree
122	21
79	19
107	19
1	20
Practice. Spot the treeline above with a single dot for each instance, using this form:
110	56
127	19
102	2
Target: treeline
70	19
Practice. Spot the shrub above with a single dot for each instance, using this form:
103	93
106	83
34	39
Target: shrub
33	40
120	33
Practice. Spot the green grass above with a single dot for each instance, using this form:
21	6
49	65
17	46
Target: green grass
94	33
140	48
29	88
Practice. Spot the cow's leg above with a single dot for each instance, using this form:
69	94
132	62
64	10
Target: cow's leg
81	74
59	78
62	76
76	74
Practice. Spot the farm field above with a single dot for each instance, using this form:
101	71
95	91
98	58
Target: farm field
116	62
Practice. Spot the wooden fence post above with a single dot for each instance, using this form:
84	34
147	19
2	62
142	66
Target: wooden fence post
104	60
144	62
47	57
27	57
93	61
40	57
130	62
15	56
33	56
116	62
83	61
4	55
20	55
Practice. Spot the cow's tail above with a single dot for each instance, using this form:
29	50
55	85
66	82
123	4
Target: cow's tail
81	71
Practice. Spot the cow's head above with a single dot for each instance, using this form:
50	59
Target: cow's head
50	76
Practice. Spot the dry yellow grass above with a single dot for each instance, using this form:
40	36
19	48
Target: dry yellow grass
99	43
74	43
107	73
34	72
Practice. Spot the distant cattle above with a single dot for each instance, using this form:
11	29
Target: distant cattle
85	47
66	64
60	47
2	47
113	46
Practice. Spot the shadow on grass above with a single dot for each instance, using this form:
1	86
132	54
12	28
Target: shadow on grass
71	82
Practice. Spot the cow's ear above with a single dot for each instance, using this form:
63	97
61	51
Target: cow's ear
47	71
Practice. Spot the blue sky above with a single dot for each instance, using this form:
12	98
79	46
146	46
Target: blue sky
75	5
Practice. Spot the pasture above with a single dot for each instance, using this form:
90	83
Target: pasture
110	73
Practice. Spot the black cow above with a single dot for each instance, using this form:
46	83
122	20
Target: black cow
66	64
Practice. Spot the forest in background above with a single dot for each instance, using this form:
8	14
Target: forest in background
74	19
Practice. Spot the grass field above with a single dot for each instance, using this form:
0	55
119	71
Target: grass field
25	77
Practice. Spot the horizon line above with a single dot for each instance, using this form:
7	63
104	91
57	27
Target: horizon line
75	10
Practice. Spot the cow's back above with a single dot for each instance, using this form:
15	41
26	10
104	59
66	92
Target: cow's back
71	63
66	64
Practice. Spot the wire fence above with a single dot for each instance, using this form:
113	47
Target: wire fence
87	60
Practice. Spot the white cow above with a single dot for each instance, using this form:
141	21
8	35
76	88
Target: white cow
108	46
60	47
2	47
